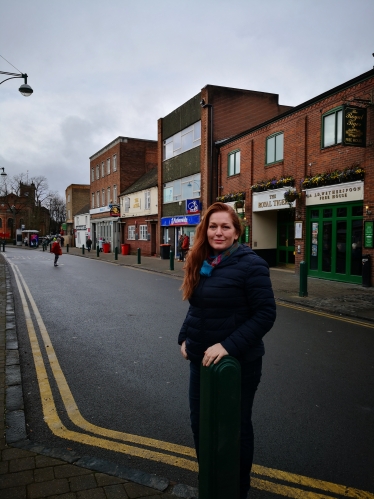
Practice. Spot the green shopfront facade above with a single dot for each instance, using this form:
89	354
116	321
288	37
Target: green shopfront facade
334	231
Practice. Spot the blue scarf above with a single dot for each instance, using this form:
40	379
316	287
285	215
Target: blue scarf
212	261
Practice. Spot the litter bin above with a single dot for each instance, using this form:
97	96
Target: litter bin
165	251
366	271
125	249
106	247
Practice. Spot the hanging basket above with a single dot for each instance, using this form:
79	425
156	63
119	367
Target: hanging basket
239	204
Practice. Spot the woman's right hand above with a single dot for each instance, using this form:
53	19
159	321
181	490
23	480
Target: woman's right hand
183	350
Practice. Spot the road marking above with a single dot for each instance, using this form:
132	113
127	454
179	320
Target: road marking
356	322
59	429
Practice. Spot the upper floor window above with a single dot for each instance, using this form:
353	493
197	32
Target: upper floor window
127	204
183	141
274	148
103	197
69	198
147	200
108	196
234	163
97	172
102	169
332	127
98	199
93	200
115	163
115	194
182	188
108	166
92	175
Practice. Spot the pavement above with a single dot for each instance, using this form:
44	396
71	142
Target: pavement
31	471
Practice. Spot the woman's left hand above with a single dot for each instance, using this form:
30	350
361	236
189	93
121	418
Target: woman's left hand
214	354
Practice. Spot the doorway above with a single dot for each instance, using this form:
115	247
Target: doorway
286	238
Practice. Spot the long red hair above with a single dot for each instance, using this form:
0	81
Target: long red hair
201	249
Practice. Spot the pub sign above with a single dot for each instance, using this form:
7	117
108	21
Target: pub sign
354	132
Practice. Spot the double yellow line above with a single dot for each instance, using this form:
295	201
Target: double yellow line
143	447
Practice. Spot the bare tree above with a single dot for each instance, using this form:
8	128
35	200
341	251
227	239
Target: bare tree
57	210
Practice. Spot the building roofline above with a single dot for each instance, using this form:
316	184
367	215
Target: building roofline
115	142
314	100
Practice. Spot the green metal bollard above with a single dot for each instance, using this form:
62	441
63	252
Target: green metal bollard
67	248
303	291
219	446
82	249
97	250
171	260
116	253
139	252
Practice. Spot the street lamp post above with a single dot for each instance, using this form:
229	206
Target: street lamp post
25	89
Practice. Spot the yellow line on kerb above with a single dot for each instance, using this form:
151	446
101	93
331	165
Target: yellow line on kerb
326	314
58	428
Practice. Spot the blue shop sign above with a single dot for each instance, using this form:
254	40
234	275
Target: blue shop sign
180	220
193	206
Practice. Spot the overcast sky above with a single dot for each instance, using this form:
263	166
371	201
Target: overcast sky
100	69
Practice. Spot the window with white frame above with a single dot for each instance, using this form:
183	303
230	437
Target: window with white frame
103	197
182	189
233	163
93	200
115	200
274	148
115	163
143	232
97	172
92	174
127	204
98	199
102	169
108	166
108	196
332	127
147	200
183	141
131	232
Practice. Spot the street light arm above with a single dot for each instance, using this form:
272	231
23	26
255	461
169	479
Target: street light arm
25	89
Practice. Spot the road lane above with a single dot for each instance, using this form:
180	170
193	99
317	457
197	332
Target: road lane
289	453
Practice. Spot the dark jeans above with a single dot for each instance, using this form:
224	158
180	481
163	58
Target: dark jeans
56	259
251	375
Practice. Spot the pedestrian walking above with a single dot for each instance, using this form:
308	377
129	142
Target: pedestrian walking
62	241
185	246
179	248
56	249
231	308
89	244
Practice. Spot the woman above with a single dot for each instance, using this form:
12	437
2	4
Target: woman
56	249
232	307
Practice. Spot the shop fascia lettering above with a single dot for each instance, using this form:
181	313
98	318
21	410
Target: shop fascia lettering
270	200
339	193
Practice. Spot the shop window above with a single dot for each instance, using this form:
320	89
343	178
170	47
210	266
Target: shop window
234	163
143	232
332	127
341	212
314	214
357	211
327	213
131	232
274	148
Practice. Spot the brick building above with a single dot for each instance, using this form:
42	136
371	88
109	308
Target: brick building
139	214
77	197
322	149
112	170
187	159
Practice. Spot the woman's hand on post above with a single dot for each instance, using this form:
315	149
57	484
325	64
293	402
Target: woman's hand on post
183	350
214	354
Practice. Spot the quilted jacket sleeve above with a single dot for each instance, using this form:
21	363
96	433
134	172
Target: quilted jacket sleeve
262	310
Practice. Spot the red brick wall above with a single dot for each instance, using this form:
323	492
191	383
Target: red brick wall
302	153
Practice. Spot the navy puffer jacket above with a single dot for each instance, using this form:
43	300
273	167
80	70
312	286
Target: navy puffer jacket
235	306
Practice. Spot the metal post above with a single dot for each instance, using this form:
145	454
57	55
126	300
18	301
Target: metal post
67	248
219	446
3	246
171	260
303	291
139	256
97	250
82	249
116	253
